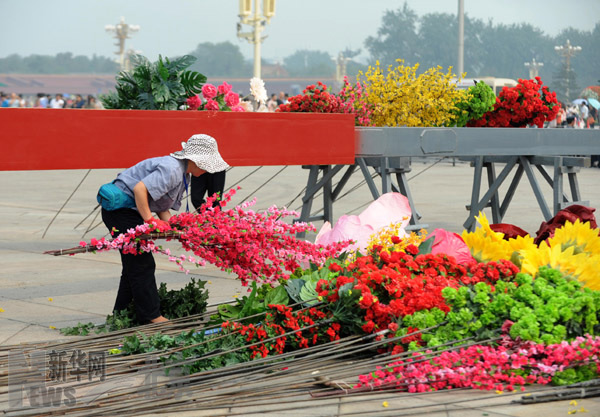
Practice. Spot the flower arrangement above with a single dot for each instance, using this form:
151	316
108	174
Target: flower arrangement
314	99
219	98
528	103
318	99
401	98
386	286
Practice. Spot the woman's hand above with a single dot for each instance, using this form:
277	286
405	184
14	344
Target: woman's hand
160	225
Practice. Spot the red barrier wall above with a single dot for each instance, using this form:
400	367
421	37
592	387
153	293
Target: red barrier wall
41	139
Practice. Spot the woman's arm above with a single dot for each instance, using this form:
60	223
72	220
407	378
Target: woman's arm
141	200
164	215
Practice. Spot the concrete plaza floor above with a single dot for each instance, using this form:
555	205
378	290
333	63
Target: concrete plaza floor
40	294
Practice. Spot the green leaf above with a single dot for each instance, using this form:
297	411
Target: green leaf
228	311
308	293
425	247
277	296
293	288
146	101
192	82
160	90
249	301
181	63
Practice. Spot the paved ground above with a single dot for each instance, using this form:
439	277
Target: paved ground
39	293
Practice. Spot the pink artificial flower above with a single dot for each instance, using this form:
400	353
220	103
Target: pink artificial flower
450	244
211	105
194	102
209	91
346	228
232	99
387	209
238	108
224	88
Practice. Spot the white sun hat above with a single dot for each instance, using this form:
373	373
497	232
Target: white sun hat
203	151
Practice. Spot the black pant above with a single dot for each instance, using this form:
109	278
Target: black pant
207	183
137	277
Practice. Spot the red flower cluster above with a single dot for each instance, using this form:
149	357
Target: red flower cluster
528	103
314	99
393	285
281	321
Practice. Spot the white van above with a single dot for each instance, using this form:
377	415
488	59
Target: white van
495	83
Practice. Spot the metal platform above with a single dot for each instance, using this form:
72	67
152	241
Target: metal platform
388	150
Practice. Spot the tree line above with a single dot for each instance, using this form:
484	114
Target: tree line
430	40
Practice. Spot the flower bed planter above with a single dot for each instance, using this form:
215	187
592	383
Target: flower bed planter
40	139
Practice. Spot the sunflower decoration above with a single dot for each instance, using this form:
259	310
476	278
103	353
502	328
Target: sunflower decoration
485	244
517	246
574	250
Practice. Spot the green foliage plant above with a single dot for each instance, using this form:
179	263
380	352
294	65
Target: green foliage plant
473	103
188	301
191	299
548	309
161	85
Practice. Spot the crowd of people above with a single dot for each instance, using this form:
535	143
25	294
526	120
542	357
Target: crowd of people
47	101
577	115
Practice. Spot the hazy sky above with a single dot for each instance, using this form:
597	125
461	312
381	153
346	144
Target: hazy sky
176	27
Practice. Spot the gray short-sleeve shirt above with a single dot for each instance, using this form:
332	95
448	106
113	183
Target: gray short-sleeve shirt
163	177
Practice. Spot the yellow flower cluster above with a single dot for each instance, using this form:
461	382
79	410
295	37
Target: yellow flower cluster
383	237
574	250
487	245
401	98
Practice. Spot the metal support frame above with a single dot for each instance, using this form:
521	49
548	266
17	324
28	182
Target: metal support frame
569	165
384	166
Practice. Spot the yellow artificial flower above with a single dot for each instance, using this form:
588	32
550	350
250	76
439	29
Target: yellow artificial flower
403	98
574	250
383	238
485	244
578	234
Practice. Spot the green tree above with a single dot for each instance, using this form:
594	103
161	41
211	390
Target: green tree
437	41
305	63
490	49
508	47
220	60
62	63
396	38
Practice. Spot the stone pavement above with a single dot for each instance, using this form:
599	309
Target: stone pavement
41	293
